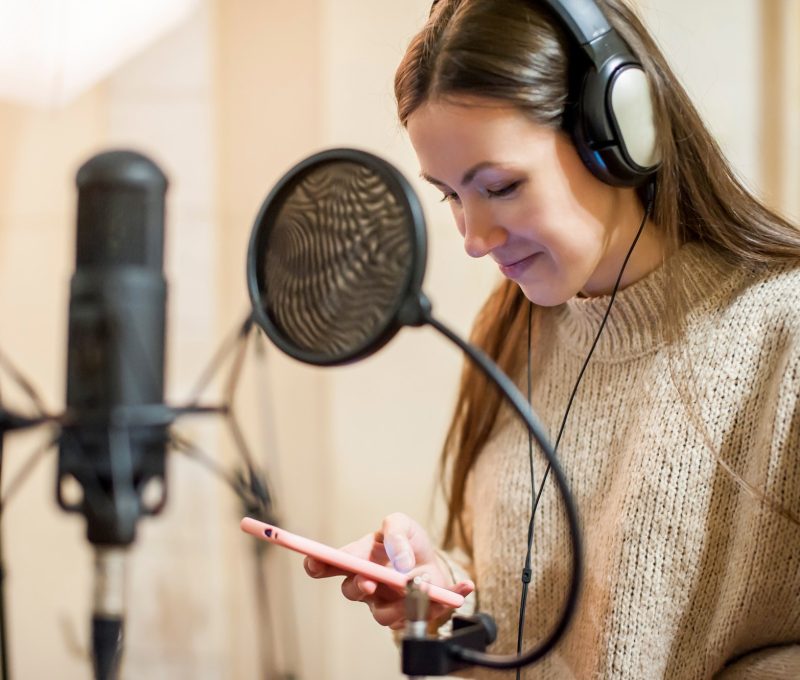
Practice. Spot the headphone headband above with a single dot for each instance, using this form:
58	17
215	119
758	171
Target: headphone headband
611	112
583	18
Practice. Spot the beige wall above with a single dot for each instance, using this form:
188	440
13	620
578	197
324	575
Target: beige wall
780	90
46	582
226	104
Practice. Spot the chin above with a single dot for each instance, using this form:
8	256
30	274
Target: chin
546	297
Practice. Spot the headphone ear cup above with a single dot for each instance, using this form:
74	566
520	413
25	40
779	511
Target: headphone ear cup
613	125
630	107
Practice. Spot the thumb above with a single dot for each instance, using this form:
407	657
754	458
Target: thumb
398	549
464	587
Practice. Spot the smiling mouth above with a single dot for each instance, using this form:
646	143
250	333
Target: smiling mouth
514	270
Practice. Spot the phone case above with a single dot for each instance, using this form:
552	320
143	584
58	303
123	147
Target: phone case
345	561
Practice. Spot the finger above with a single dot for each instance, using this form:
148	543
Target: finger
440	613
388	613
402	535
366	547
398	530
369	547
351	590
365	585
464	588
360	588
432	574
316	569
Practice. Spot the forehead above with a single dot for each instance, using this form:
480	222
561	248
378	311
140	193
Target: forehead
458	133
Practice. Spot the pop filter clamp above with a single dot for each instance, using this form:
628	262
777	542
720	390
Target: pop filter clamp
334	270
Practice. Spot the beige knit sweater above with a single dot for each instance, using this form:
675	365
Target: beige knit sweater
688	574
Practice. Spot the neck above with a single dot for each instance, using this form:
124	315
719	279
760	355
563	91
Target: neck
651	249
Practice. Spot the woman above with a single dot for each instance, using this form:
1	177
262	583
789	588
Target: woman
682	444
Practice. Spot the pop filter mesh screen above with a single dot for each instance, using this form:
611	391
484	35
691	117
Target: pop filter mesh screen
336	258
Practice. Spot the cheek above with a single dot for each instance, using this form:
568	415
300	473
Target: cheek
572	238
562	207
458	218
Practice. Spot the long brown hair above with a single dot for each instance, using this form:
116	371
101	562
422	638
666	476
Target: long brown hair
515	51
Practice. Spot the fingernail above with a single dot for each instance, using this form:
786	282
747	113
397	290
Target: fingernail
399	552
403	562
364	586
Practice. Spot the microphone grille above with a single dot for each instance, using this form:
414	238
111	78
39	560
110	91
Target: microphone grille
121	198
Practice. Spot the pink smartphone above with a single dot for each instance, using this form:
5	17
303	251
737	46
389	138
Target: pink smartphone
345	561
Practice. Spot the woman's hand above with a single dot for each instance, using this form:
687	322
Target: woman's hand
403	544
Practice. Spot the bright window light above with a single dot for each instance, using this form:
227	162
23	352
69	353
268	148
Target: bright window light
53	50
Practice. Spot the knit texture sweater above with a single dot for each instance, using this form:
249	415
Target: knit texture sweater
684	461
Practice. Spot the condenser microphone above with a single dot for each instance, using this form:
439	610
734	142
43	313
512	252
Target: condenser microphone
114	433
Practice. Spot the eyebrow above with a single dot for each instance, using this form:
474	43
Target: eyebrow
469	175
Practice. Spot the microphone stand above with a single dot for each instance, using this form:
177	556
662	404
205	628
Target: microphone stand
8	421
3	635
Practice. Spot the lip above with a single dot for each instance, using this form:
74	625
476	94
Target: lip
514	270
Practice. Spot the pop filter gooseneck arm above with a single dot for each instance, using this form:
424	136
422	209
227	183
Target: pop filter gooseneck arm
334	270
514	397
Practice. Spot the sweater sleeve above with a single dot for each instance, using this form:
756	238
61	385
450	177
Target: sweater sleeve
782	431
458	568
780	661
459	564
774	663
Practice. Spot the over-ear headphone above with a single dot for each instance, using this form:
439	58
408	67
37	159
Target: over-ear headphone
610	116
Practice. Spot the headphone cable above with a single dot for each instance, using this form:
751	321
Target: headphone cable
526	571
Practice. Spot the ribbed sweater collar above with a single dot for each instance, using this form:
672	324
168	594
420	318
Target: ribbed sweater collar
637	322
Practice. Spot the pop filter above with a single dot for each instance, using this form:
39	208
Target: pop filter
335	268
337	252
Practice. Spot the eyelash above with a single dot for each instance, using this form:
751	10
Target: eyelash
499	193
505	191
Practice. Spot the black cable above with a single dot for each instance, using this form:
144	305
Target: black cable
651	190
518	403
526	572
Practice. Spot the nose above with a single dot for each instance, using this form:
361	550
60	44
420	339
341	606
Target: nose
481	233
